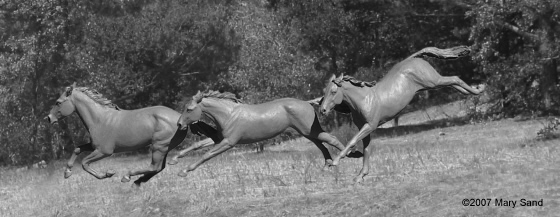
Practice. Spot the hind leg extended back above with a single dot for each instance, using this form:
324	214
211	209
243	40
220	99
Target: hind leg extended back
197	145
459	85
224	145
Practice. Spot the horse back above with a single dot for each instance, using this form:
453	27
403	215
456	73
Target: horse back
141	126
401	83
409	75
292	107
266	120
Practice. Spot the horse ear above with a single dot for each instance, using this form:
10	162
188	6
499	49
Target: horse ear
197	98
69	89
341	76
74	85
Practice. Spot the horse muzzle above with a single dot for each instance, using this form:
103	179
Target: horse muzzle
182	126
324	111
51	119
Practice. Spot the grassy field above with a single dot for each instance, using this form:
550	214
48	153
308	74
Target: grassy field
417	170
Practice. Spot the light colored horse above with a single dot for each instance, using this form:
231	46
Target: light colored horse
113	130
374	104
239	123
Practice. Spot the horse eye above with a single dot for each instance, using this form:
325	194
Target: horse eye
57	103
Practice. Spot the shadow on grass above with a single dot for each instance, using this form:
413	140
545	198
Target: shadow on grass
417	128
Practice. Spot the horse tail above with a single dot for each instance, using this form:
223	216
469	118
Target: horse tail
449	53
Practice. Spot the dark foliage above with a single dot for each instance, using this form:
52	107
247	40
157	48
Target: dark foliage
141	53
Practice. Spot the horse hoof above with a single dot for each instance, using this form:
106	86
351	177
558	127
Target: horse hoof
328	164
335	162
358	179
183	173
125	179
172	162
355	154
67	174
109	173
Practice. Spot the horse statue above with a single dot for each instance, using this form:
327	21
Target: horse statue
114	130
372	104
239	123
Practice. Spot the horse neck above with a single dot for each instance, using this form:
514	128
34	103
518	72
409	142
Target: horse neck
88	110
354	95
217	110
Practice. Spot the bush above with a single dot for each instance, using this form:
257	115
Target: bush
550	130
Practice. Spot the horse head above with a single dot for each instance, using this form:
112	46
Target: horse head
333	95
191	113
63	106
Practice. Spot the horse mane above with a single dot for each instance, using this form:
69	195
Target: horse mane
355	81
216	94
97	97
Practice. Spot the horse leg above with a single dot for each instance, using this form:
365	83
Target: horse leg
458	84
316	134
364	131
324	151
460	89
198	145
224	145
93	157
365	159
331	140
77	151
157	165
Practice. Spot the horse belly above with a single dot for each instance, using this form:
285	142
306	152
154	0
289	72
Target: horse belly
393	103
263	130
133	138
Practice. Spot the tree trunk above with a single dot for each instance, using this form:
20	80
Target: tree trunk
546	50
549	76
549	79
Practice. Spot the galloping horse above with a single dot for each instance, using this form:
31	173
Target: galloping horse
115	130
374	104
239	123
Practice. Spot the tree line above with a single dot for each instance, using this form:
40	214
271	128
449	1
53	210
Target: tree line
142	53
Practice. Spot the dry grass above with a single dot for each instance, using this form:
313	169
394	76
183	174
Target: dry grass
416	172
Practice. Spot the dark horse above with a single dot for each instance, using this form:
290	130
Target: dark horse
113	130
374	104
239	123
